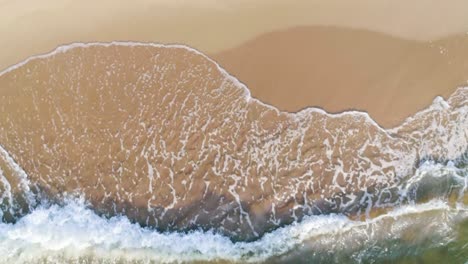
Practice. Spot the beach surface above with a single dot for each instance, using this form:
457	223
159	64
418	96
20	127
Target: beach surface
377	57
341	69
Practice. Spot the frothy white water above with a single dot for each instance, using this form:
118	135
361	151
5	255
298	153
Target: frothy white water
74	232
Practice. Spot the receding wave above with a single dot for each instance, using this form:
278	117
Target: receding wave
173	160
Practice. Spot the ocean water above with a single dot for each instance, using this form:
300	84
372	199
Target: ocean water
74	234
144	153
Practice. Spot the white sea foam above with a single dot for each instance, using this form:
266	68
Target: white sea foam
73	231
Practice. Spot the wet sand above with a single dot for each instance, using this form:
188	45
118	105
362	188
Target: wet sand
33	27
340	69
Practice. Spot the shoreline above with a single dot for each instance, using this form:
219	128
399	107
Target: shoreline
307	109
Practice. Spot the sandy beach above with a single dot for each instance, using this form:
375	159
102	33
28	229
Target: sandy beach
394	66
235	131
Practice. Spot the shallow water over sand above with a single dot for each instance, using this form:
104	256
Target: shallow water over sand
149	153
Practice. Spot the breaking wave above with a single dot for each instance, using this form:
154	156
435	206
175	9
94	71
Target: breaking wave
75	234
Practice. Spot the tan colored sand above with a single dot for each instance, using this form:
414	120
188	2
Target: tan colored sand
341	69
29	27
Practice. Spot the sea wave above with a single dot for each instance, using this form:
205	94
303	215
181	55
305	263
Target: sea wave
75	234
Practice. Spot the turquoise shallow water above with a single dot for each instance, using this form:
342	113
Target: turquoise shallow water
453	250
456	251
